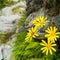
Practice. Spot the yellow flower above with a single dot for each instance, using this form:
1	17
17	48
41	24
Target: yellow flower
40	21
8	0
52	33
48	47
32	33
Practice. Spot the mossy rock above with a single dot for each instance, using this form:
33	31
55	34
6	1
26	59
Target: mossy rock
5	38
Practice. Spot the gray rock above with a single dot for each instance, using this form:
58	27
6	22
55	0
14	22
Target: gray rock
8	23
56	21
29	19
20	29
32	16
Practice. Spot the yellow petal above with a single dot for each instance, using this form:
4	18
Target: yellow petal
50	51
58	33
51	28
44	42
53	44
47	35
44	50
47	31
49	41
55	29
47	52
53	49
57	36
36	34
33	36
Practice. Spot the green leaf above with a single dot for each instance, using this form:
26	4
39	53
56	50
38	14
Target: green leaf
28	53
32	45
21	36
22	21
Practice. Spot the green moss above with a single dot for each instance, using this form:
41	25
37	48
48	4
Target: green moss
4	38
22	21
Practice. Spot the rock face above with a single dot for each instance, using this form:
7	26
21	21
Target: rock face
54	20
8	23
53	6
5	51
32	16
8	20
33	5
47	9
8	10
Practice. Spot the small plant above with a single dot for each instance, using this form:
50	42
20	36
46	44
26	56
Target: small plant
51	35
27	46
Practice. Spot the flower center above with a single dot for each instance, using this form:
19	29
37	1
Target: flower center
52	33
48	45
42	23
32	33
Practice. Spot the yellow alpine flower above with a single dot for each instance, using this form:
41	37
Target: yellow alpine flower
52	33
32	33
40	21
48	47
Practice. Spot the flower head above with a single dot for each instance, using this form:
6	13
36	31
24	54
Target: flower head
32	33
40	21
52	33
48	47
